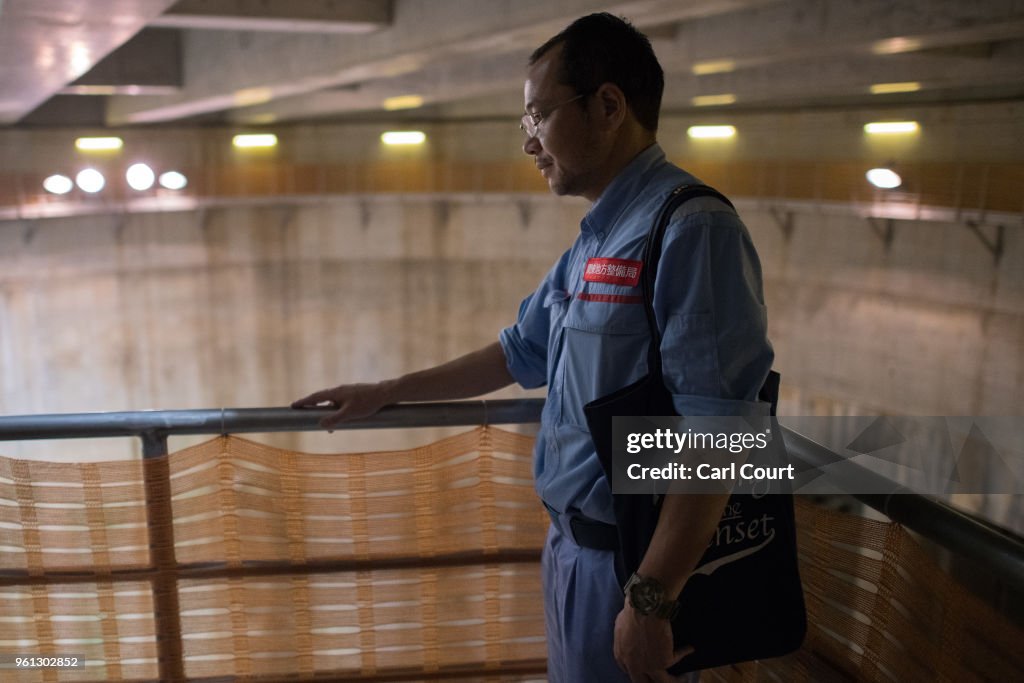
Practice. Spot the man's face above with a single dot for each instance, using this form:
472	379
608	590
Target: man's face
565	148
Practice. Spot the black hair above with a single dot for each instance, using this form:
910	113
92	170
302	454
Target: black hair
602	48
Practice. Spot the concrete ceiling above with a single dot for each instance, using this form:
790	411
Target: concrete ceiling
130	62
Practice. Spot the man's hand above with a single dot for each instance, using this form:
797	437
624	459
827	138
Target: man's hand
643	646
350	401
473	374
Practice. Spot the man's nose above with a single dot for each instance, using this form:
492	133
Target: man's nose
531	145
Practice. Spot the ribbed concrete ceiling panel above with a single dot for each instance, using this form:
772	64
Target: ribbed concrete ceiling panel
46	44
256	61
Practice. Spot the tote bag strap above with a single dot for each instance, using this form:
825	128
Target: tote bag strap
652	254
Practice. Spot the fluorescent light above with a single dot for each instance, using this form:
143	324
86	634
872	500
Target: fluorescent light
403	137
894	46
90	180
94	144
140	177
173	180
252	96
712	100
89	90
250	140
714	67
889	88
703	132
886	127
885	178
58	184
403	102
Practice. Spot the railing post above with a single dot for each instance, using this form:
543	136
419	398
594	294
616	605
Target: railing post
160	522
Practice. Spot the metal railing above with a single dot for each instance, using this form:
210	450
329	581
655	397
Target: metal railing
154	426
968	536
998	550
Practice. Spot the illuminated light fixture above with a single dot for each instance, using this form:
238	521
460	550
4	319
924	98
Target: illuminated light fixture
403	102
140	177
58	184
172	180
89	90
712	100
403	137
895	46
890	127
884	178
889	88
720	66
90	180
254	140
710	132
98	144
252	96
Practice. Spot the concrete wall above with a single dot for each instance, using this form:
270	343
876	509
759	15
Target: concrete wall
931	324
252	306
257	306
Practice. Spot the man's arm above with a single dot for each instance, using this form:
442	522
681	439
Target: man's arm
643	644
716	355
476	373
685	526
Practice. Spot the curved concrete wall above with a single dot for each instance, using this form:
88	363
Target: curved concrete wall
255	306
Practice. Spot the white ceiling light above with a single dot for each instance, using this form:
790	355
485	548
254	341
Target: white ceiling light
890	88
249	97
705	132
889	127
403	102
403	137
895	46
719	66
884	178
140	177
251	140
90	180
99	144
172	180
58	184
713	100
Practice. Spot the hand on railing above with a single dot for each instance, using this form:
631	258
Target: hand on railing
473	374
350	402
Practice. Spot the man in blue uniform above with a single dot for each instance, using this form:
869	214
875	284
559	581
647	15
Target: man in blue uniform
592	98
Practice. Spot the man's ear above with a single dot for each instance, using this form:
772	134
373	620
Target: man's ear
612	107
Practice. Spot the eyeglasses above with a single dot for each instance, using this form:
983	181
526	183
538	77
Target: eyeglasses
530	122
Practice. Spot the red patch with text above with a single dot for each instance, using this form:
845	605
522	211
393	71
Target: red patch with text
614	271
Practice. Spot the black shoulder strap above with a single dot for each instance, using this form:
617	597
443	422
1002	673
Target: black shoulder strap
652	254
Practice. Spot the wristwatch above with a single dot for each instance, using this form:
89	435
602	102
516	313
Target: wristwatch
647	596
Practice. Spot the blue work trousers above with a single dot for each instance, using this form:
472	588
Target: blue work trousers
581	600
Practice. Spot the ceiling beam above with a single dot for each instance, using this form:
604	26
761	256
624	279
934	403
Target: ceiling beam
295	16
254	68
437	83
807	30
953	73
836	77
149	63
46	44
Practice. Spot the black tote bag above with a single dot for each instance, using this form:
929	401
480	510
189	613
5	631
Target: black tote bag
743	602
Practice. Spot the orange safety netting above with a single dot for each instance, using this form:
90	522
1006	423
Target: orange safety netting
233	559
281	563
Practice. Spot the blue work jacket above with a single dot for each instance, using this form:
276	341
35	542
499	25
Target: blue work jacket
583	332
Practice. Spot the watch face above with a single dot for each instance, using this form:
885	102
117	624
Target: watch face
646	595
